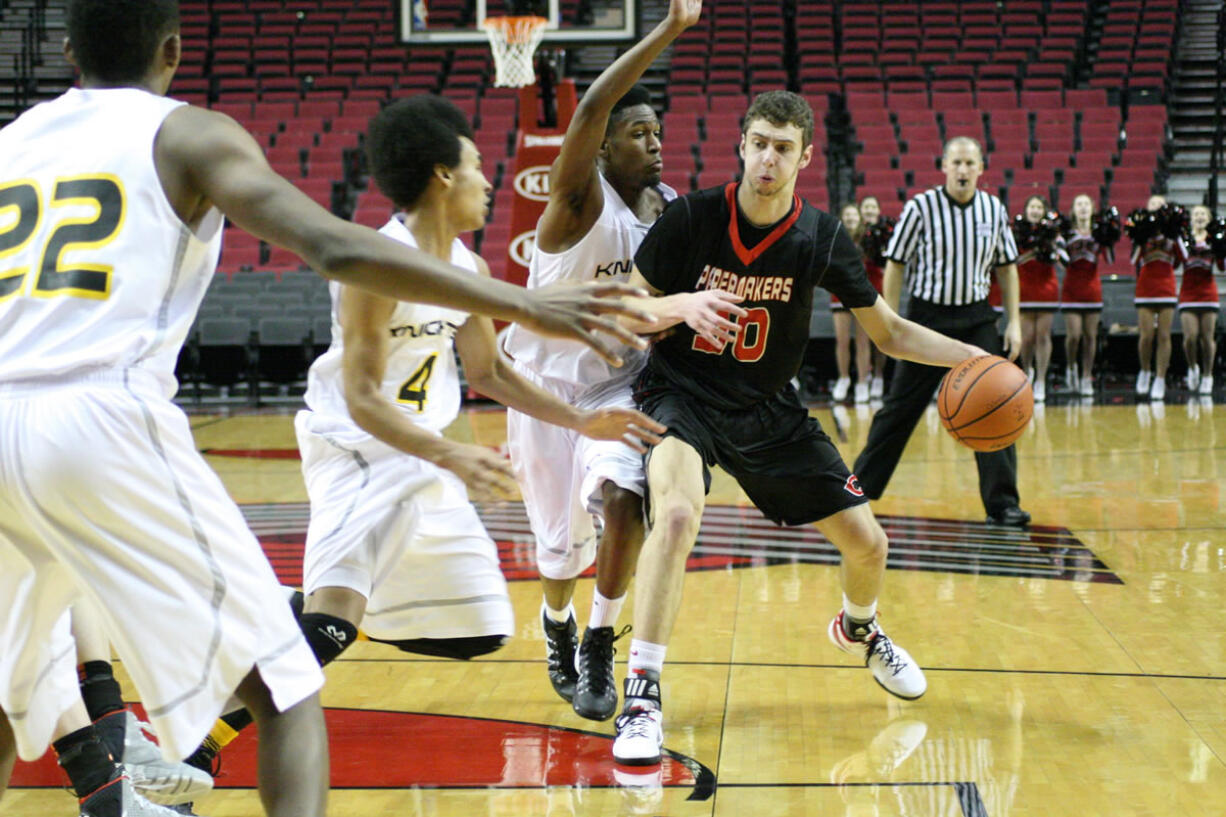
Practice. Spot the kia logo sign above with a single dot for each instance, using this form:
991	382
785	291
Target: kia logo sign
533	183
522	246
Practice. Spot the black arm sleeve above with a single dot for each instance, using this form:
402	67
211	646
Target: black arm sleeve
839	268
665	249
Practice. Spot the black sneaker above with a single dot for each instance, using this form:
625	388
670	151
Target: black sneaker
596	690
560	643
1010	517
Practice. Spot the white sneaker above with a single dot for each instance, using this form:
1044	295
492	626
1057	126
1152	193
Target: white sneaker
131	803
1157	391
1191	380
1143	382
1071	381
876	389
1040	391
861	392
1086	387
1206	384
156	778
640	736
839	393
893	668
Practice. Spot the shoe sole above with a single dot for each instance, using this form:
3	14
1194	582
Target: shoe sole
639	761
594	714
898	694
570	699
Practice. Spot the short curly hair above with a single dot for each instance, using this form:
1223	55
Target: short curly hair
117	40
782	108
408	139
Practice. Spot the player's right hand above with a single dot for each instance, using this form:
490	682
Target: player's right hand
487	475
579	312
705	312
684	13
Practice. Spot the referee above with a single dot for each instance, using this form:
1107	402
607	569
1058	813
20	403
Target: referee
950	238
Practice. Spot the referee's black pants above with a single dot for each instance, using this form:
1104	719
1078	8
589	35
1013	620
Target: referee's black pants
909	396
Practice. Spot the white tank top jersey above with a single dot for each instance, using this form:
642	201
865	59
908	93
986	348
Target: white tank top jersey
96	269
421	375
606	253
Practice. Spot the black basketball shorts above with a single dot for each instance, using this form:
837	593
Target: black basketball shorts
776	452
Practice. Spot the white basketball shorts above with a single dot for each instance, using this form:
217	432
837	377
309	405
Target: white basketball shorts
104	496
401	532
561	474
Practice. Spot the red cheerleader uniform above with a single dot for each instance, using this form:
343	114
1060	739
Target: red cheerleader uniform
1198	292
994	299
876	274
1038	289
1083	290
1158	259
876	277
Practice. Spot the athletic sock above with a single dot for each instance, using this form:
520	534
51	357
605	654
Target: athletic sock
99	689
858	618
86	761
224	731
328	636
605	610
645	655
104	703
558	616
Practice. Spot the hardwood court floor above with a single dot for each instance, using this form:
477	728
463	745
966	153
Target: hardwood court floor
1079	669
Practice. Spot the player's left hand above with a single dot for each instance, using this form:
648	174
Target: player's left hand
1013	340
634	428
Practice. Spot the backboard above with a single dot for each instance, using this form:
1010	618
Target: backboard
458	22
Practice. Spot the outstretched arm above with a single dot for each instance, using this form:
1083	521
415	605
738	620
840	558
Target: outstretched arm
575	198
489	373
206	159
907	340
709	312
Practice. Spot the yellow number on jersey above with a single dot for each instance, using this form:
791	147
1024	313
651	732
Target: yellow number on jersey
414	389
53	276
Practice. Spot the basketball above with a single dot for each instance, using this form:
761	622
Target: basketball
985	402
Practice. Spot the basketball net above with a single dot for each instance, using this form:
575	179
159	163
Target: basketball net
513	41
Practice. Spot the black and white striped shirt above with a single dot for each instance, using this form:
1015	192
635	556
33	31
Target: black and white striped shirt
949	249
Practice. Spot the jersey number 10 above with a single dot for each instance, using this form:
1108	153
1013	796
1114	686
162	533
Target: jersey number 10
750	342
51	275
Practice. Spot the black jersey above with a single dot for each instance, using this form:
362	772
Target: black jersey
703	241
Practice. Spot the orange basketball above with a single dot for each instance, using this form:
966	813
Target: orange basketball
985	402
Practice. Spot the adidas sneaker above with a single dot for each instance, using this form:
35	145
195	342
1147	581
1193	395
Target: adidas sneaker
893	668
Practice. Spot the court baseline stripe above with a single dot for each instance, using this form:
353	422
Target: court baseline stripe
1154	676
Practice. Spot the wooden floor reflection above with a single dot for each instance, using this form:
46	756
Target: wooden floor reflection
1052	691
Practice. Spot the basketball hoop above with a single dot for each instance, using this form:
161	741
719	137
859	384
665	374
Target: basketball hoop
513	41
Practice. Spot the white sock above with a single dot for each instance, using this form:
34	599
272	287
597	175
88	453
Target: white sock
859	612
559	616
646	657
605	610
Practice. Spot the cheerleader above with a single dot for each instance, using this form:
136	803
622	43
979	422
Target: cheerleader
1156	254
843	328
1198	303
1038	239
1081	299
877	232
